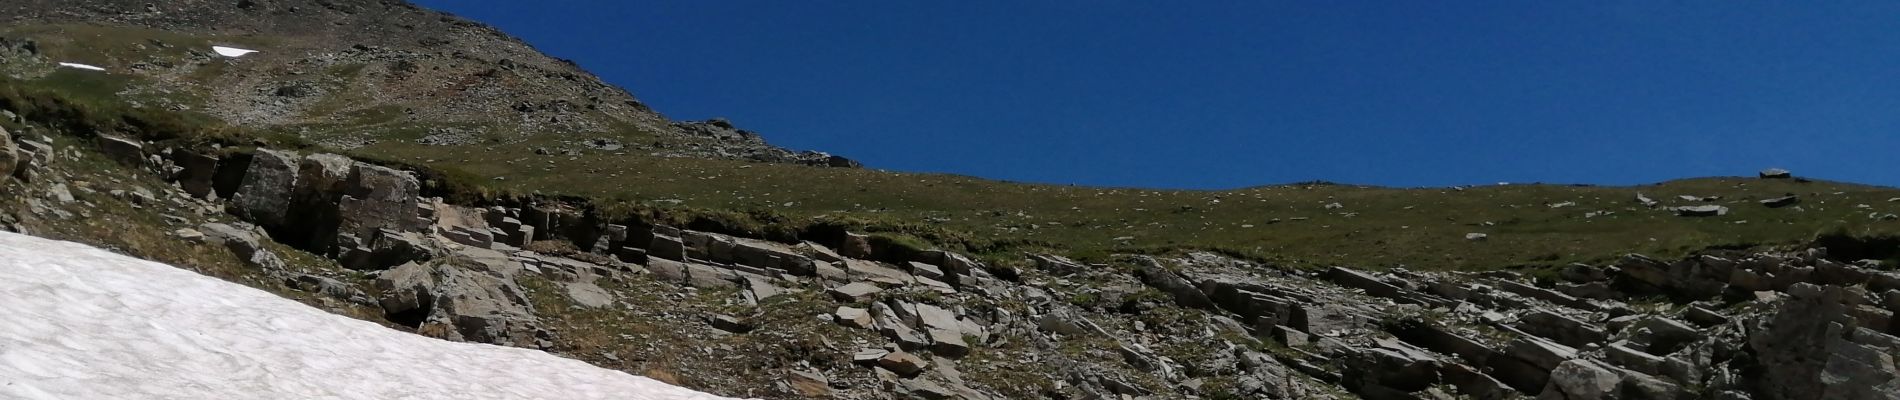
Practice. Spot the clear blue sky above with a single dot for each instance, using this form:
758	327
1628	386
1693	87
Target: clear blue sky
1222	94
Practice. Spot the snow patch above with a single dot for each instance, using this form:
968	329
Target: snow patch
232	52
77	322
81	66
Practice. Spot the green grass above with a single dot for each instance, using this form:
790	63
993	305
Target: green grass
1377	227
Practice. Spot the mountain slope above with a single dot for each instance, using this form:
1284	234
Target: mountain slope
354	73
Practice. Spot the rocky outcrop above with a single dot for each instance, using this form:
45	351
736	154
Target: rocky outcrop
451	300
263	197
10	159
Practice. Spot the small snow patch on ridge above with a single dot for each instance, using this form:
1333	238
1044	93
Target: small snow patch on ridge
81	66
232	52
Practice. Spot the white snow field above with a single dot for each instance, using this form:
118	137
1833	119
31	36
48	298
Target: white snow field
77	322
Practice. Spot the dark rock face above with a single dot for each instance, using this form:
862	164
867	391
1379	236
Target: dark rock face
198	172
124	150
264	195
379	198
9	155
319	185
1814	347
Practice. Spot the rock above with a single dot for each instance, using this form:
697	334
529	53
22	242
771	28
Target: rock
868	356
376	198
318	187
1582	273
10	159
1330	319
1646	201
926	389
244	243
478	307
926	270
667	270
1782	201
263	197
666	244
1775	173
448	300
328	287
1581	380
1812	347
902	363
854	317
407	289
1476	237
1560	329
730	323
809	383
893	327
385	248
709	277
463	225
1701	211
856	292
126	151
1055	264
948	343
188	234
198	174
933	317
1183	291
60	194
855	246
587	294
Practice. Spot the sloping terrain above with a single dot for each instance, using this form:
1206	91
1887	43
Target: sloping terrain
670	250
391	82
356	73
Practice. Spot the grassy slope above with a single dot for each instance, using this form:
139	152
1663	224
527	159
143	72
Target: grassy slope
1376	227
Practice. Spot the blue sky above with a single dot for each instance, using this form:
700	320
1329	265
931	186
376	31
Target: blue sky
1223	94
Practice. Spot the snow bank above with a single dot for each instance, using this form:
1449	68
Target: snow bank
81	66
232	52
78	322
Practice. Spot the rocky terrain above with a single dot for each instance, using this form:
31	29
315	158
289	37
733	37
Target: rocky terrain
1771	287
846	315
356	73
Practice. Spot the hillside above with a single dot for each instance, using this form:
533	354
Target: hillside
392	82
434	176
356	73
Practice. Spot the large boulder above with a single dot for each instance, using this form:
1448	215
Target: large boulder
263	197
449	299
1581	380
126	151
464	225
319	184
243	242
198	172
378	197
383	249
1183	291
1814	348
